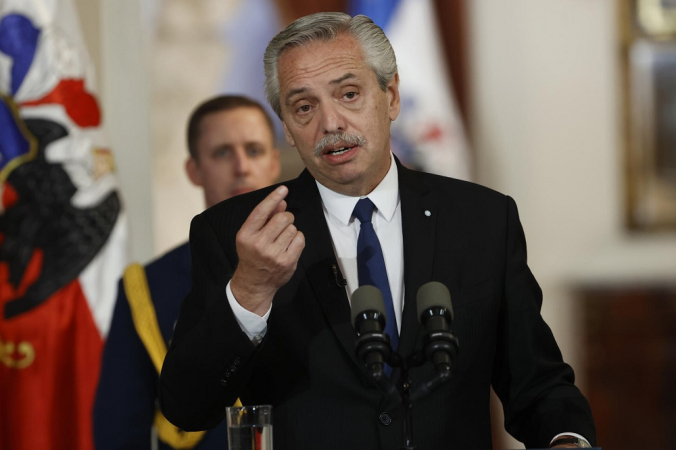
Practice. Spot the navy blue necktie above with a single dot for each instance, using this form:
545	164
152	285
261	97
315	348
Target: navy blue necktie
371	267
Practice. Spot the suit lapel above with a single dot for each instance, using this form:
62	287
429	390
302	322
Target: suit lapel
419	235
419	225
318	258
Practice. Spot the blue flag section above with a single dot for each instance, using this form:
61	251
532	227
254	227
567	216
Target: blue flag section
19	41
380	11
428	134
16	143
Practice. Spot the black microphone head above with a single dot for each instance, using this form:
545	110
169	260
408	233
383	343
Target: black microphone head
367	298
433	294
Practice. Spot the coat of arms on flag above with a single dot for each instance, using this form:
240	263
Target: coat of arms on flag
62	229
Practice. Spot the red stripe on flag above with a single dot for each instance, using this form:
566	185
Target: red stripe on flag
50	376
9	196
80	105
9	292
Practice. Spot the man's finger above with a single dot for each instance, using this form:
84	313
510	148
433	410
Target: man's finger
296	246
281	207
275	226
285	236
266	209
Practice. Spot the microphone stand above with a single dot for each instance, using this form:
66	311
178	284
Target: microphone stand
407	403
404	393
373	346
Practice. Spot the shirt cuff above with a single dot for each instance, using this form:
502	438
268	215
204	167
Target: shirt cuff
565	434
253	325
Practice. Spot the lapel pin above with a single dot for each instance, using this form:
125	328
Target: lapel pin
428	213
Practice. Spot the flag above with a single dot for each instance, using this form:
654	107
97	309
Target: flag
246	34
62	229
428	134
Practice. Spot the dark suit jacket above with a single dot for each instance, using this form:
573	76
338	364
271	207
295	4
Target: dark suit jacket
126	396
306	366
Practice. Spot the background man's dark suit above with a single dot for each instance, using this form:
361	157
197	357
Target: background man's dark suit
306	366
126	395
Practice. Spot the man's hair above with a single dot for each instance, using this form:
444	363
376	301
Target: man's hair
324	27
219	104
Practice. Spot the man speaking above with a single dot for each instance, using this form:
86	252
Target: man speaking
268	315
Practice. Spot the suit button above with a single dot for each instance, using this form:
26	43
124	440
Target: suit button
385	419
224	381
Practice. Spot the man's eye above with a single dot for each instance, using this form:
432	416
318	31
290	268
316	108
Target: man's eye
222	153
350	95
304	109
252	152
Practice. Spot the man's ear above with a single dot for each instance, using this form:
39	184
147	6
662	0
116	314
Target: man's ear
193	171
289	139
393	98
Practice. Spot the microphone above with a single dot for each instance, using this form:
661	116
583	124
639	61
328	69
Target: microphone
369	318
436	314
338	280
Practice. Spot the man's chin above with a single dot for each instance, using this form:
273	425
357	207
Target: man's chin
240	191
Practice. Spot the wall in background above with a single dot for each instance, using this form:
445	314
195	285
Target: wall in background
546	125
114	37
186	62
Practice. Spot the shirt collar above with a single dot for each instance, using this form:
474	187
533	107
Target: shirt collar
385	196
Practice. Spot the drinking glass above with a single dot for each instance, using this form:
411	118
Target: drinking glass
249	427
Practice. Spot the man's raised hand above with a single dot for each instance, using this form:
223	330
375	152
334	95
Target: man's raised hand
268	246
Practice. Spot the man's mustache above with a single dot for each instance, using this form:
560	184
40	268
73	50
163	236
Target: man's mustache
339	138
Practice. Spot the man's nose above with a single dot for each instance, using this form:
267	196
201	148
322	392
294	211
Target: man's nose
241	162
332	118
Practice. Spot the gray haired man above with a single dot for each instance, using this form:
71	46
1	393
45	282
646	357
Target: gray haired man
268	320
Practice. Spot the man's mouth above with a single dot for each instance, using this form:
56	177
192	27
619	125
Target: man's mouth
241	190
338	144
339	151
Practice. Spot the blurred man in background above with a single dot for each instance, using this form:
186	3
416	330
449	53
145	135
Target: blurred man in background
232	151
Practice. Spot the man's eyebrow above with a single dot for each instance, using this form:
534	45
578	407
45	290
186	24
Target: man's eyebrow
225	146
294	92
347	76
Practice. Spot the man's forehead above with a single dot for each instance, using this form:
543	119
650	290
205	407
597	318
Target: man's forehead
342	40
238	113
248	119
329	62
349	76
